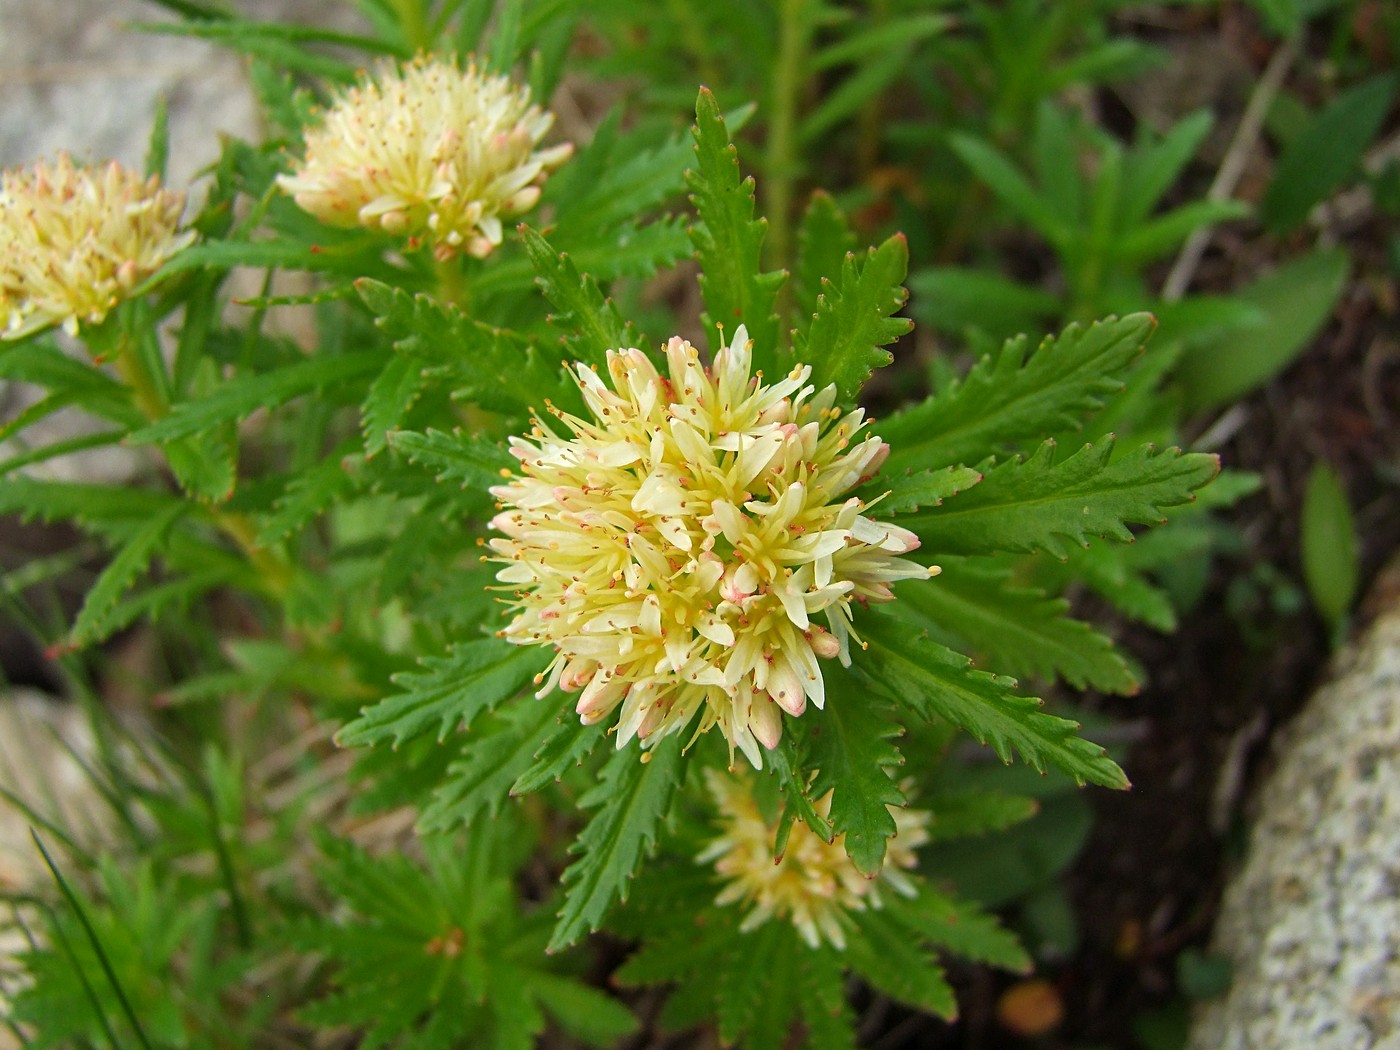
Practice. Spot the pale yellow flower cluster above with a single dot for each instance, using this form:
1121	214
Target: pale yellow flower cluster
674	550
814	884
75	241
430	152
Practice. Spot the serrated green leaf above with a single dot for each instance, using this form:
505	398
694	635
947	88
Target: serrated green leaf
1022	631
283	106
278	43
308	494
675	952
501	749
490	365
155	601
718	971
854	319
610	182
60	448
205	464
936	682
602	254
70	382
566	746
756	1000
928	488
854	759
34	413
960	927
885	955
107	508
260	255
1015	397
1327	152
92	623
632	798
797	791
42	363
240	397
1038	504
824	239
1107	572
435	955
474	677
475	463
592	323
729	241
821	993
390	397
632	250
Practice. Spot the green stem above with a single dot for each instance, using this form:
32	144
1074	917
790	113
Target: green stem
271	564
452	284
794	37
415	26
131	367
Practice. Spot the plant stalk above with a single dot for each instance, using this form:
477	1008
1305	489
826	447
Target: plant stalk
130	366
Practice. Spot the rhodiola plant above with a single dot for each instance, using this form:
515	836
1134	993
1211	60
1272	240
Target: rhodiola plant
720	625
681	545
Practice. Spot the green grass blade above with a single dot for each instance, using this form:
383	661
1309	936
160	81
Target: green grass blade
96	943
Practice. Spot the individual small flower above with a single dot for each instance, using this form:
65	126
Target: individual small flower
674	550
428	151
75	241
814	884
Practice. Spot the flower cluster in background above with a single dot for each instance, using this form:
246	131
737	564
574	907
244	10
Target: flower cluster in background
674	550
75	241
430	152
813	884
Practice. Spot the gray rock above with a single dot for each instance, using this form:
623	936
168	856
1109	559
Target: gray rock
77	78
1311	923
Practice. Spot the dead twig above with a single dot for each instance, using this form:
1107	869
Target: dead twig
1232	167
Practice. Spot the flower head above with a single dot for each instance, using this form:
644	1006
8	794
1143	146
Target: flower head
430	151
813	884
75	241
674	550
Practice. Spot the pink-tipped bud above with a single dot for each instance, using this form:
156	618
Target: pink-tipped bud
598	699
824	644
786	688
577	673
740	581
766	722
